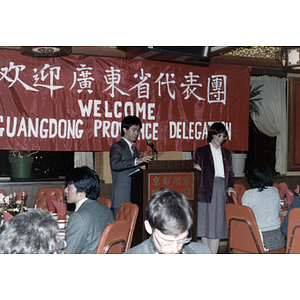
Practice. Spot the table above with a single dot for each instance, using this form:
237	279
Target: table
62	224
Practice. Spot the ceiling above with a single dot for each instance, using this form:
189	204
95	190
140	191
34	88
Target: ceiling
262	59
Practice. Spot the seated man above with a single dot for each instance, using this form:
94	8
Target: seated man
284	224
168	221
33	232
90	218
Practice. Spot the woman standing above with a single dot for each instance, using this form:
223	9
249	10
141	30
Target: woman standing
263	198
215	180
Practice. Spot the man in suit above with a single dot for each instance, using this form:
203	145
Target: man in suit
169	218
90	218
124	160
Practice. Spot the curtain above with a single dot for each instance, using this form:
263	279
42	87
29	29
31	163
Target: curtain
83	159
272	120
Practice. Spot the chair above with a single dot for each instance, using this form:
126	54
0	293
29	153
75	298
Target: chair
43	193
105	201
233	199
243	234
284	192
293	233
128	211
240	190
3	192
282	189
113	238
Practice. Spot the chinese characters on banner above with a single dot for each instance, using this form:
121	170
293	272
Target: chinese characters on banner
77	103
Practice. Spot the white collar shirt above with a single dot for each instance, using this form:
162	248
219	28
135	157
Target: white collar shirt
79	203
130	145
218	161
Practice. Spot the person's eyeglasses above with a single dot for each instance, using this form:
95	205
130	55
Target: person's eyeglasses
165	243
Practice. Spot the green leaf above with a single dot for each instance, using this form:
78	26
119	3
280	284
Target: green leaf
253	94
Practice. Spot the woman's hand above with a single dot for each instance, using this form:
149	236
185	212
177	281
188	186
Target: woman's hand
197	167
232	190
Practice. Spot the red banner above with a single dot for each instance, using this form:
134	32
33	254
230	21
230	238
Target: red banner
77	103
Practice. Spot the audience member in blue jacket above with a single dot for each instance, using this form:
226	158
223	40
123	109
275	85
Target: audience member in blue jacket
284	225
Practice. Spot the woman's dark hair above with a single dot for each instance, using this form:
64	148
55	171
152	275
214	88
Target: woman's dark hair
216	129
259	175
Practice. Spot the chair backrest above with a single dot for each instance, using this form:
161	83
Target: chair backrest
282	189
3	192
240	190
243	233
293	233
43	193
113	238
128	211
105	201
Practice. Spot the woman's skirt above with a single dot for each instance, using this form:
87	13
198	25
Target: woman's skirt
211	216
273	239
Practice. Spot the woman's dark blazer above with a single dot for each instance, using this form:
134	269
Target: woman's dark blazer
203	157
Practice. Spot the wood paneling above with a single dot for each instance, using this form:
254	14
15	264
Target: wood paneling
293	124
32	188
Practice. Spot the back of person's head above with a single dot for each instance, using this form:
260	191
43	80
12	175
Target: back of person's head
169	212
32	232
215	129
259	175
85	180
128	122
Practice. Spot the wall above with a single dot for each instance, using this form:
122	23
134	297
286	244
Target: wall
102	165
291	181
32	188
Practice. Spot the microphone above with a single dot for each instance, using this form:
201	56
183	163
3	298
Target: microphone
149	143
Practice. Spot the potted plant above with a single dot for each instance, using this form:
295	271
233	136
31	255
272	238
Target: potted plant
239	159
21	164
254	92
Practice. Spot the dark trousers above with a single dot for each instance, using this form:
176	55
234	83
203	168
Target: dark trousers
115	210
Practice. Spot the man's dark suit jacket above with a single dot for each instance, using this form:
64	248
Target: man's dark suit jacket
203	157
85	227
121	164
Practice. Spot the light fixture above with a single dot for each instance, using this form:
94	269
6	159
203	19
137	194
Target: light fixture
46	51
290	57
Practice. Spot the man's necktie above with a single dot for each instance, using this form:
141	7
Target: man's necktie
133	151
